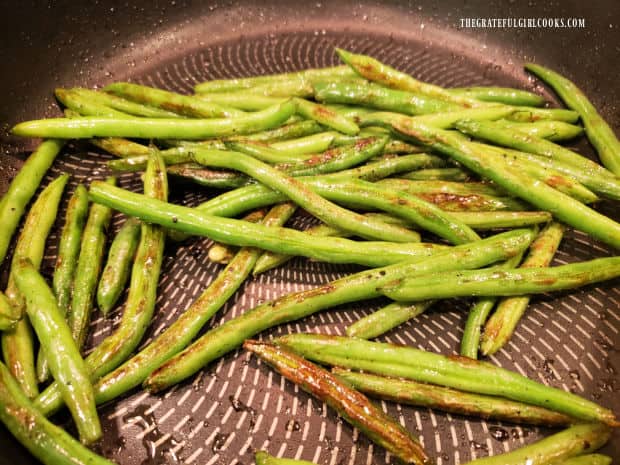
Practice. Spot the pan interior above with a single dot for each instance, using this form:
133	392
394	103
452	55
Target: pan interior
237	405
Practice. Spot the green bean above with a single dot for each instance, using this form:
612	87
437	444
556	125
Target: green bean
571	442
553	174
171	156
313	143
269	260
443	187
22	188
116	270
185	105
18	344
120	147
451	400
223	253
114	349
337	159
325	116
283	88
64	358
375	71
501	325
526	143
175	338
563	172
156	128
66	262
390	165
7	317
386	318
415	210
439	120
507	282
563	207
350	404
353	112
303	196
530	115
382	98
400	147
88	269
123	105
246	83
49	443
85	106
263	458
286	132
217	179
502	219
545	129
438	174
588	459
242	233
452	371
354	288
505	95
479	313
69	247
600	134
263	152
476	220
241	100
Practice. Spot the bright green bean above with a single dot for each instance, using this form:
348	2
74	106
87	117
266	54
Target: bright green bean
185	105
242	233
114	349
49	443
263	458
382	98
571	442
386	318
63	355
246	83
517	140
22	188
326	117
85	106
507	282
350	404
353	288
116	270
563	207
375	71
588	459
156	128
505	95
18	343
303	196
241	100
88	269
451	371
452	400
121	104
479	313
545	129
66	262
501	325
600	134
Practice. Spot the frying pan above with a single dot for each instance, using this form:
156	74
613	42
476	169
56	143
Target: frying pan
237	405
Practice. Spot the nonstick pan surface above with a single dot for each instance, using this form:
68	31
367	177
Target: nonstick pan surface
237	405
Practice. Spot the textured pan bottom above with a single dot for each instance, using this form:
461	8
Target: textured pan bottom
238	405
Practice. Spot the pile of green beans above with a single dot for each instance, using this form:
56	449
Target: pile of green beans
434	193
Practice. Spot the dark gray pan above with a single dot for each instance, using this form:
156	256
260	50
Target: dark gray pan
235	406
